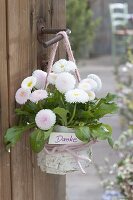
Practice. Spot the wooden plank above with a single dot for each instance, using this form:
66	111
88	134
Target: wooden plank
50	187
5	183
28	182
22	60
58	20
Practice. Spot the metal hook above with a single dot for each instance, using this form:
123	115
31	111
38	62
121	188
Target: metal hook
42	30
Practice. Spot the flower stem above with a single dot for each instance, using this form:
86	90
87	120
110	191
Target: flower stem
73	115
62	101
40	105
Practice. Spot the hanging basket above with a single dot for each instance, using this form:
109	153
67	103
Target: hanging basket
64	118
64	153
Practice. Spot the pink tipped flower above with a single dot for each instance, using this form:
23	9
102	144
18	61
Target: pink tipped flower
40	77
22	95
38	95
45	119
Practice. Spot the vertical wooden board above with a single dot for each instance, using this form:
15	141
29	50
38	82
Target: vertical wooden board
5	182
54	14
22	60
46	186
28	182
58	20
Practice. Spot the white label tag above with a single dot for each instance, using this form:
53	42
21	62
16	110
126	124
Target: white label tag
64	138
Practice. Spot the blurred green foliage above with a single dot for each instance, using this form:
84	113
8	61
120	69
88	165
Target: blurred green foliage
80	21
130	55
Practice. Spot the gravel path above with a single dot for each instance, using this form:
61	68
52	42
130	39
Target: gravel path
87	187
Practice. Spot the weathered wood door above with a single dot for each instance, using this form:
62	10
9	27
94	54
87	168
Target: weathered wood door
20	178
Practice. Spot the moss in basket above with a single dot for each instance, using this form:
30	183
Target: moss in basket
65	103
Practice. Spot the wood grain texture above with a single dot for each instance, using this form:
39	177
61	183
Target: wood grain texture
50	187
22	61
20	177
5	182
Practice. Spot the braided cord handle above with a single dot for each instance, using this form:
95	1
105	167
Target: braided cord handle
53	53
51	61
69	52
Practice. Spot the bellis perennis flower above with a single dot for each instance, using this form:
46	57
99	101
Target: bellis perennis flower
22	95
29	82
63	65
40	78
84	86
52	78
91	95
64	82
76	96
97	80
70	67
45	119
88	84
38	95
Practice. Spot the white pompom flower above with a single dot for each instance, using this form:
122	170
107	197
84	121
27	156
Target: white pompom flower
84	86
64	82
63	65
91	95
38	95
52	78
40	77
97	79
76	96
22	95
59	66
91	82
70	66
28	83
45	119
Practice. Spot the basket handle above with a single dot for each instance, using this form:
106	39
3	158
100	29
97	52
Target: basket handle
53	53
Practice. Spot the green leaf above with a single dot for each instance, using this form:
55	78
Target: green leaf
110	97
111	142
47	133
101	132
85	114
104	109
14	134
31	107
38	139
62	113
83	133
18	111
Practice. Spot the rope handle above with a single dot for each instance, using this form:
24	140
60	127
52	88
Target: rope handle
53	53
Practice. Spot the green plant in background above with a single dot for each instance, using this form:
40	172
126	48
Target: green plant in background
124	78
117	179
80	21
130	56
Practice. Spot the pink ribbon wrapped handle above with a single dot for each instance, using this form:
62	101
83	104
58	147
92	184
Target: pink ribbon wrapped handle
53	53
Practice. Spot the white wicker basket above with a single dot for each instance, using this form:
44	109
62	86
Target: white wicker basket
65	161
